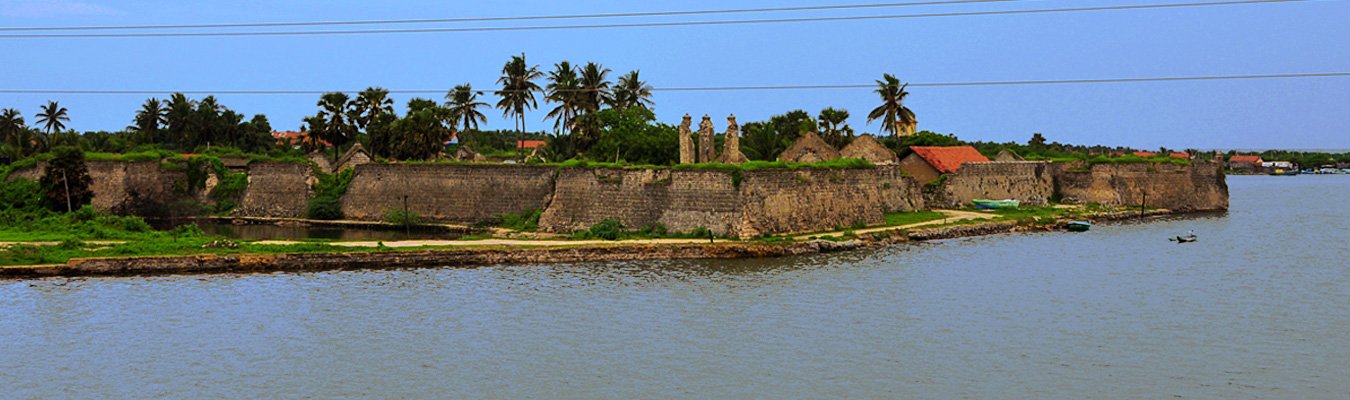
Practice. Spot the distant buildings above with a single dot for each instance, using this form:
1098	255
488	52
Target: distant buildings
1246	163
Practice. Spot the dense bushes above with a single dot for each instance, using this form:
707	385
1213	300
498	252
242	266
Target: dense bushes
328	192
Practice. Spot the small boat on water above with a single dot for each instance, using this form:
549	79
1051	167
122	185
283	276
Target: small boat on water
1006	204
1078	226
1185	239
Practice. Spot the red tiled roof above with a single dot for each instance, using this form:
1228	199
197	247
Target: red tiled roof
946	159
530	144
1245	158
292	138
1181	155
1144	154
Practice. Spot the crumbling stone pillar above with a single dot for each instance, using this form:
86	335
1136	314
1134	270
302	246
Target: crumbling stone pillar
686	143
731	147
706	152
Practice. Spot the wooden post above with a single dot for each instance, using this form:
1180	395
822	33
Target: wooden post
407	223
1142	204
65	180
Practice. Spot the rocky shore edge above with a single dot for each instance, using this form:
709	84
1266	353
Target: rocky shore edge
469	257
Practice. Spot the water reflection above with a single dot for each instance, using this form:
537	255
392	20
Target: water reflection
1115	312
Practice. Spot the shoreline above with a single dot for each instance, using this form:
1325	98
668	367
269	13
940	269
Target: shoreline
543	252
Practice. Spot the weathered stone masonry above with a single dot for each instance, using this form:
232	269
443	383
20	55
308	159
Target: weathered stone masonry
744	203
277	190
448	193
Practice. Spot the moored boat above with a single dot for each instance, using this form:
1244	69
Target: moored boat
1078	226
1006	204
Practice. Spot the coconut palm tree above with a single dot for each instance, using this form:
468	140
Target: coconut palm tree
565	89
517	92
52	116
632	92
896	118
833	125
595	88
370	104
463	107
152	114
12	130
178	117
336	110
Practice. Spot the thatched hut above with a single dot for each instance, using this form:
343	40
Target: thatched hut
868	148
809	148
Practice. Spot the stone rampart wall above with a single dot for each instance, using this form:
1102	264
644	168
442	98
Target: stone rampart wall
745	203
277	190
1197	187
126	187
447	193
1029	181
804	200
679	200
759	201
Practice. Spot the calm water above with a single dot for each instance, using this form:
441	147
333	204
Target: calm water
1258	308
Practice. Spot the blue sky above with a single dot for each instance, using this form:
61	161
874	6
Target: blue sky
1245	39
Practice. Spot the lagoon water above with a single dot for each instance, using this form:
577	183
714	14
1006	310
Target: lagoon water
1258	308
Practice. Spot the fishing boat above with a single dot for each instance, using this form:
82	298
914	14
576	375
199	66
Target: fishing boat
1006	204
1184	239
1078	226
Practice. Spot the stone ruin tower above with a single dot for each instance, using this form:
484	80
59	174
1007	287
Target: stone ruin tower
686	143
707	151
731	147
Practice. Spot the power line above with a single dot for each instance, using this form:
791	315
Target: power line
499	19
718	88
646	24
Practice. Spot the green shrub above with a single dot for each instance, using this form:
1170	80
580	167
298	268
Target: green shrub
608	230
524	221
328	192
229	190
324	207
402	217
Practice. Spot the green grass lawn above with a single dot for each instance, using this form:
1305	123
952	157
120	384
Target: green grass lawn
913	217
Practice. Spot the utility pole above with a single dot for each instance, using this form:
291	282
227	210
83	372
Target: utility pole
66	181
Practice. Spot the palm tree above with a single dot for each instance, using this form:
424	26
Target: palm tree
52	116
517	92
205	123
336	110
463	106
152	114
833	125
595	88
370	104
896	118
632	92
178	116
564	89
12	130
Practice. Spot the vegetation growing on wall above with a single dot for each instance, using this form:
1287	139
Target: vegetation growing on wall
328	192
